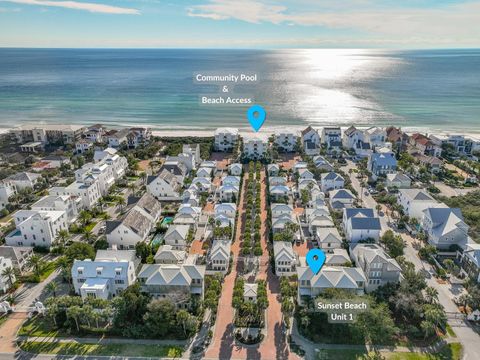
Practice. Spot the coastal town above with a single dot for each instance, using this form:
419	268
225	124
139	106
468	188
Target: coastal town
125	242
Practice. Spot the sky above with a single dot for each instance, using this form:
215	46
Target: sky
413	24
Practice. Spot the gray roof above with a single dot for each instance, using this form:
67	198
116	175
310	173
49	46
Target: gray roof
365	212
384	159
416	194
331	176
111	225
24	176
365	223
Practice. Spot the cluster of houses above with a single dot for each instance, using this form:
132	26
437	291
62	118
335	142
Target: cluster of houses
40	224
34	138
187	180
361	228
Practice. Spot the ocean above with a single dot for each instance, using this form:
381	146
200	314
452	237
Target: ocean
433	89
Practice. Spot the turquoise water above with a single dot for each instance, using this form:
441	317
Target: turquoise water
436	88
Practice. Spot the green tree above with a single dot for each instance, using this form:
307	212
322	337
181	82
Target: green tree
129	309
62	237
74	313
52	288
36	263
9	273
79	251
85	217
159	317
187	321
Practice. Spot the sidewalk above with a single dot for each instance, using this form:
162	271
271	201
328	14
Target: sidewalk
312	348
87	340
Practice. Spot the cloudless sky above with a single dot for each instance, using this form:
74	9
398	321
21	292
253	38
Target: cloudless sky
240	24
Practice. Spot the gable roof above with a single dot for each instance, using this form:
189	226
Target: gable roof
416	195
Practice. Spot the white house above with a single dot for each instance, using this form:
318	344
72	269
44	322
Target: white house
83	145
398	180
117	138
204	172
87	192
176	236
311	141
231	180
285	258
167	254
226	139
58	203
445	227
277	180
107	276
177	282
19	255
311	285
226	210
279	192
235	169
375	136
285	140
250	292
317	220
6	282
164	187
341	198
322	164
273	169
331	136
328	238
379	268
203	184
136	225
100	155
194	150
255	147
228	193
361	224
331	181
305	174
414	201
36	228
352	137
24	180
219	256
7	189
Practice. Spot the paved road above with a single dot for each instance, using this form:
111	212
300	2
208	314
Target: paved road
467	336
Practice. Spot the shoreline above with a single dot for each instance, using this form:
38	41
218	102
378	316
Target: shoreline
246	131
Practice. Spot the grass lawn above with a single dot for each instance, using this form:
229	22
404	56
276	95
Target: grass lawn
450	331
451	351
90	226
38	326
101	349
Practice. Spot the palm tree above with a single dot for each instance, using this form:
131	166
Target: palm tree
64	265
9	272
63	236
74	312
84	217
36	263
120	202
87	234
52	287
431	295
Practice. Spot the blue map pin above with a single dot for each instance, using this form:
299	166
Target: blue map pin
315	260
256	116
